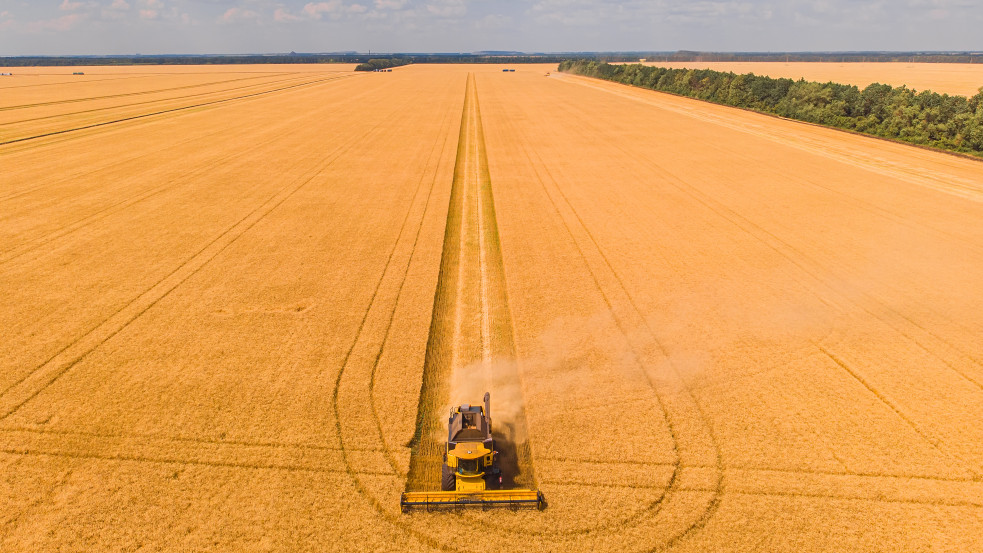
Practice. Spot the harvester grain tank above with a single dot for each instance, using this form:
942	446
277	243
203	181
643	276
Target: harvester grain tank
470	475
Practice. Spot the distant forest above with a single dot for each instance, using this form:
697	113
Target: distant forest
831	57
380	64
493	57
394	60
925	118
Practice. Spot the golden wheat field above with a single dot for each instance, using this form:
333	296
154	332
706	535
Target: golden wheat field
238	301
962	79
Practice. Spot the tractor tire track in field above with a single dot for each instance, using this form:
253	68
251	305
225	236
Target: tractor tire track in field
158	101
79	81
889	312
763	469
172	110
353	472
442	139
181	451
656	504
419	202
591	130
15	252
464	167
198	440
128	94
172	459
934	441
827	148
820	494
118	161
684	410
38	379
471	331
915	226
689	413
807	495
800	260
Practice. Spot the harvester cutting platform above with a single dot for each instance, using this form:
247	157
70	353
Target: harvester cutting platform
470	476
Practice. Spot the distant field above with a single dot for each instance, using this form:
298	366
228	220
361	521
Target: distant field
964	79
175	69
231	296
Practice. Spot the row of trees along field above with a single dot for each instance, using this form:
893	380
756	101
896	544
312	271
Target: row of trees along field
380	63
926	118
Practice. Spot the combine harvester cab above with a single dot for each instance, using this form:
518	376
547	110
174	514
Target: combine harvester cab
470	476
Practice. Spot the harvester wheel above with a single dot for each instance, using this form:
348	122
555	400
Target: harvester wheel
447	479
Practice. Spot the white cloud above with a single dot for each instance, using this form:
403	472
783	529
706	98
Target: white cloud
115	11
389	4
283	15
494	21
448	8
333	9
318	9
63	23
239	14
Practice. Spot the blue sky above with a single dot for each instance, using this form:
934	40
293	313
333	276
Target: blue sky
258	26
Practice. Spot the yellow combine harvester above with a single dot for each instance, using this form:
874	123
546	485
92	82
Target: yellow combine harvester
470	473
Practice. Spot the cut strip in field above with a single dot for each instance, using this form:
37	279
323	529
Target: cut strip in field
470	349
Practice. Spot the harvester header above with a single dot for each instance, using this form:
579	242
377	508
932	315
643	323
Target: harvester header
470	476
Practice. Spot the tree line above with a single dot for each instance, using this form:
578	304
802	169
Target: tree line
926	118
67	61
833	57
380	63
293	58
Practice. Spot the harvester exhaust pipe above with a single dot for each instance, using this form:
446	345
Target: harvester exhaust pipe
488	407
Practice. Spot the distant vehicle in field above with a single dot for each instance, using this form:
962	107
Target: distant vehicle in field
78	73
